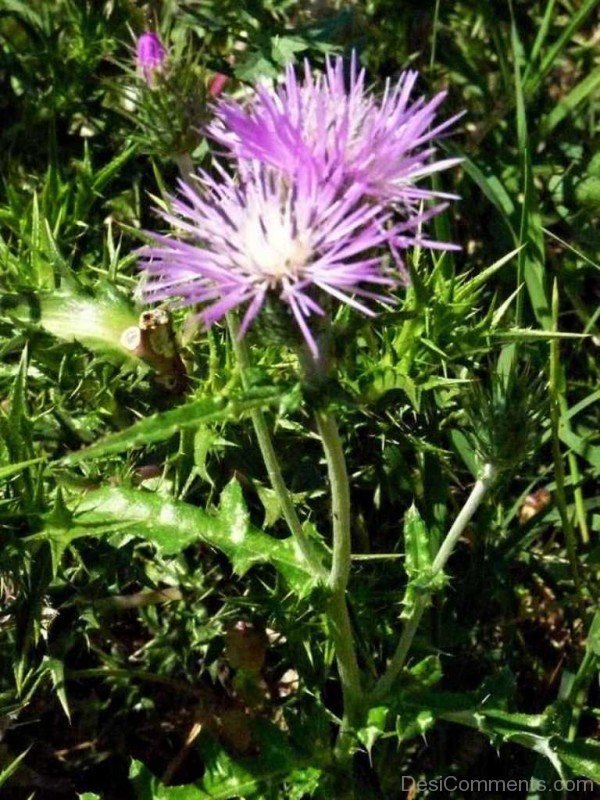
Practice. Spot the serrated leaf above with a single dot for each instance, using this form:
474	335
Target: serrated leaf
533	731
374	728
108	172
418	560
415	723
581	756
163	425
479	279
60	536
204	439
56	669
417	547
389	377
172	525
234	514
268	497
273	512
502	727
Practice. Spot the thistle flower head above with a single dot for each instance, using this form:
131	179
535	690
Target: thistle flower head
321	169
150	56
382	144
263	236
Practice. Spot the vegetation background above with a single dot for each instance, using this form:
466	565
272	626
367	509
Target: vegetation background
138	659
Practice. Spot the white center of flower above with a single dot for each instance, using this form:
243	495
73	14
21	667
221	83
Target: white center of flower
273	249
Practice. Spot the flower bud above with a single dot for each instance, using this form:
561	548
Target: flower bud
150	56
217	84
504	416
168	102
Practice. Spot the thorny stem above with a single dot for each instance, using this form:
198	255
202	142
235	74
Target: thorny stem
267	450
412	625
337	609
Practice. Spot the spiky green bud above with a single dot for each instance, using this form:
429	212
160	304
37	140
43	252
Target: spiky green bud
504	417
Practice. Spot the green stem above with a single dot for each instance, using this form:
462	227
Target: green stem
337	609
470	507
269	456
340	500
412	625
342	635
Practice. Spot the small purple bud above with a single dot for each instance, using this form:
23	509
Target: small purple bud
150	55
217	84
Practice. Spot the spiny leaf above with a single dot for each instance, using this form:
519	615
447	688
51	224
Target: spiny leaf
581	756
172	525
56	670
533	731
418	560
104	175
163	425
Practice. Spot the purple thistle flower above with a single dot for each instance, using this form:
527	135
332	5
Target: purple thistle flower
150	55
383	144
264	235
